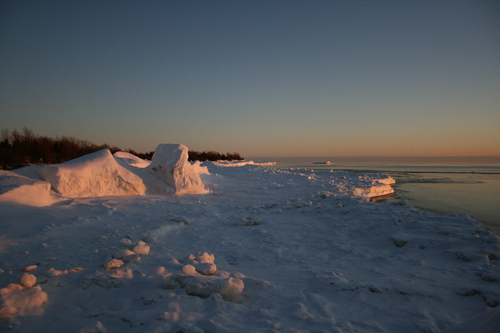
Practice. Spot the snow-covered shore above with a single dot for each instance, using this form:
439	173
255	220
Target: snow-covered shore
253	250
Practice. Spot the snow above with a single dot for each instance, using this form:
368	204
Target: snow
130	159
103	174
93	175
170	164
24	190
253	250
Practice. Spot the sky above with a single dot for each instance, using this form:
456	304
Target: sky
261	78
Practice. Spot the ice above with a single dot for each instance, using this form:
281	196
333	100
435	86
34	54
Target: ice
170	164
102	174
255	250
200	279
27	280
93	175
24	190
128	158
23	299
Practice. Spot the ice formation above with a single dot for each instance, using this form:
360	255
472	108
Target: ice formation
170	164
93	175
199	277
102	174
24	190
23	299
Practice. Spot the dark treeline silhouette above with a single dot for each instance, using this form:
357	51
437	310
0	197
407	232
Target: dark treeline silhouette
213	156
23	148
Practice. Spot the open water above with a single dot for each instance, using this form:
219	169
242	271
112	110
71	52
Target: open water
467	185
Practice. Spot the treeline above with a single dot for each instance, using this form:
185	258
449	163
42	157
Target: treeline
21	148
213	156
25	147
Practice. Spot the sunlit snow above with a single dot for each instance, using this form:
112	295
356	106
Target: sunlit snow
114	243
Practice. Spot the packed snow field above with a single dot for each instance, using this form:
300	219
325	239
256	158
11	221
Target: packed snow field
110	243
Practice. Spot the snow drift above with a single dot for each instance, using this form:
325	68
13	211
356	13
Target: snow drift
24	190
93	175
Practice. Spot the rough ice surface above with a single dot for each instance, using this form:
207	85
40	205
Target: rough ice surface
266	250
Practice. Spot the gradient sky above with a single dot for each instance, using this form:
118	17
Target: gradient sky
262	78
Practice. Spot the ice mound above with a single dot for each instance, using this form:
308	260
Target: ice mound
371	186
102	174
376	190
170	164
24	190
199	277
23	299
92	175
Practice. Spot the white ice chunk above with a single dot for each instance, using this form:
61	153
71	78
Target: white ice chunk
27	280
170	164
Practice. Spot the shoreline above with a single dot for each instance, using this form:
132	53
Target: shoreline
433	195
473	197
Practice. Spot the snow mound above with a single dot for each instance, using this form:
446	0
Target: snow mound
369	186
376	190
131	159
170	164
24	190
197	282
23	299
93	175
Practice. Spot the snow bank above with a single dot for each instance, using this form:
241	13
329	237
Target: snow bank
131	159
368	186
24	190
170	164
93	175
376	190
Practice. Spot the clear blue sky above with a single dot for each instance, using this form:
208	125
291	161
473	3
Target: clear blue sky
262	78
